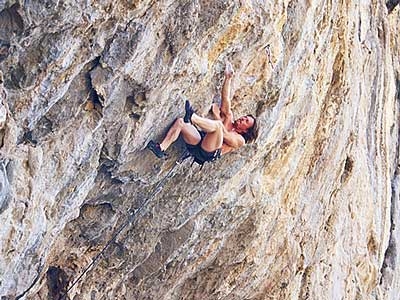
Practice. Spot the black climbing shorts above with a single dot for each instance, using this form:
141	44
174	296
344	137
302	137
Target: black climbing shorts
200	155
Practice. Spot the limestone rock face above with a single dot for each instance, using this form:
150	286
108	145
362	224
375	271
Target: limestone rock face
308	211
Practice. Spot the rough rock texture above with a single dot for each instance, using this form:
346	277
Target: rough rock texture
309	211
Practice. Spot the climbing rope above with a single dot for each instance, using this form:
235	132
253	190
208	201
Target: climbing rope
132	215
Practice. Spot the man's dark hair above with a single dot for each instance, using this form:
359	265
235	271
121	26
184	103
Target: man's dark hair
251	134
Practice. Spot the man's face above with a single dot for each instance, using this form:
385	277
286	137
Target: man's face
244	123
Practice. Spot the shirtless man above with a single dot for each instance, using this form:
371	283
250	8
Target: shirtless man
215	137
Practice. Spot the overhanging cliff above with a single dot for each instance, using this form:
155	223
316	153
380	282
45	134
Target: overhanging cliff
309	211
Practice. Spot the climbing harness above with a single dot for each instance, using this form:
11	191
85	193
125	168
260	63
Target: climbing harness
130	219
200	157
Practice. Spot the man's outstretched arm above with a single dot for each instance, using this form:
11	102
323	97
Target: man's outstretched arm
226	110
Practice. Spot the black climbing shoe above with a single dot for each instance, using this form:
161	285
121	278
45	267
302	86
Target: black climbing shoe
156	149
188	112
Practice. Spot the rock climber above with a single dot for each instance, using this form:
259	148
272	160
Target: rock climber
214	137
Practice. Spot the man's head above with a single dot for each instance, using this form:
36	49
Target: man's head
247	127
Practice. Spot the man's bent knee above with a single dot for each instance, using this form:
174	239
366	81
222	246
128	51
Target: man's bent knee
179	122
220	126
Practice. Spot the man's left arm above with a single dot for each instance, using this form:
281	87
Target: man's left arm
216	112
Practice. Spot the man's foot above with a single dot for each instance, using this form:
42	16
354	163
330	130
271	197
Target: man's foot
188	112
156	149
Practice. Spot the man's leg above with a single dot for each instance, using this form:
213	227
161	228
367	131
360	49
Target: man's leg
215	132
189	134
